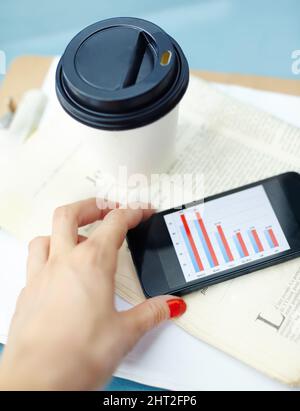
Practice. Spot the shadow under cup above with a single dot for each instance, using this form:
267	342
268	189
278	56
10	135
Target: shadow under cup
122	79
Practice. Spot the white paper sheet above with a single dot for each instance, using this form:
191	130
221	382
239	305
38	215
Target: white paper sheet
167	357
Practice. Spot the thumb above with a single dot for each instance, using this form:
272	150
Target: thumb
147	315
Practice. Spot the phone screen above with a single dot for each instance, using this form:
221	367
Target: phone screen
225	233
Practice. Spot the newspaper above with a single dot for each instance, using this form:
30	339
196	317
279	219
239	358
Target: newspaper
255	318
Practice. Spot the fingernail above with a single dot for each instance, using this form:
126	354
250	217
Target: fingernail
177	307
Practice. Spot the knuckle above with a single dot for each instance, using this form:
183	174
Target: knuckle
118	214
63	212
118	218
36	242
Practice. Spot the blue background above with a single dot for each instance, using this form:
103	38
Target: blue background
237	36
243	36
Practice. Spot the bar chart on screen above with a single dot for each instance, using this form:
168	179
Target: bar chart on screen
226	232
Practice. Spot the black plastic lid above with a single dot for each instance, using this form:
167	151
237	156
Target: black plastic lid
121	73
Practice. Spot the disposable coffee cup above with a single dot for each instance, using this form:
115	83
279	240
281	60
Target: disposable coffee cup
122	80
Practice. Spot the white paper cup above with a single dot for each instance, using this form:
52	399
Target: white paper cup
122	79
145	150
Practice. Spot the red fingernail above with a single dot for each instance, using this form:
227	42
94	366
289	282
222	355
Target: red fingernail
177	307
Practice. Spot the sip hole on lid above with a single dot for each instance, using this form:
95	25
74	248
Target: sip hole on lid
166	58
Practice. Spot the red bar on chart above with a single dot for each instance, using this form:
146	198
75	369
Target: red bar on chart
242	244
192	242
207	239
225	243
273	238
257	240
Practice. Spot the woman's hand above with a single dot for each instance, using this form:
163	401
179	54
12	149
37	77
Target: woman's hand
66	333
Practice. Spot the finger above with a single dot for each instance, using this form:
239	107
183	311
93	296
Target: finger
67	219
116	224
37	256
104	242
147	315
101	248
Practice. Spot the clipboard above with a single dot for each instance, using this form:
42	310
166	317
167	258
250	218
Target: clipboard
27	72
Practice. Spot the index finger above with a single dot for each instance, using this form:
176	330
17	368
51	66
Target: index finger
116	224
68	218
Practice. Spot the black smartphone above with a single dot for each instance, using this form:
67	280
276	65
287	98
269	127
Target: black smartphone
219	238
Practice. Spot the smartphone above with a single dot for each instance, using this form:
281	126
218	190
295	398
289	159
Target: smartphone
219	238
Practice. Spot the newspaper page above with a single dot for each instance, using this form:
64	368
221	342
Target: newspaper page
255	318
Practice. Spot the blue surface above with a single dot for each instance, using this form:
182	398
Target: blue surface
249	36
120	384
